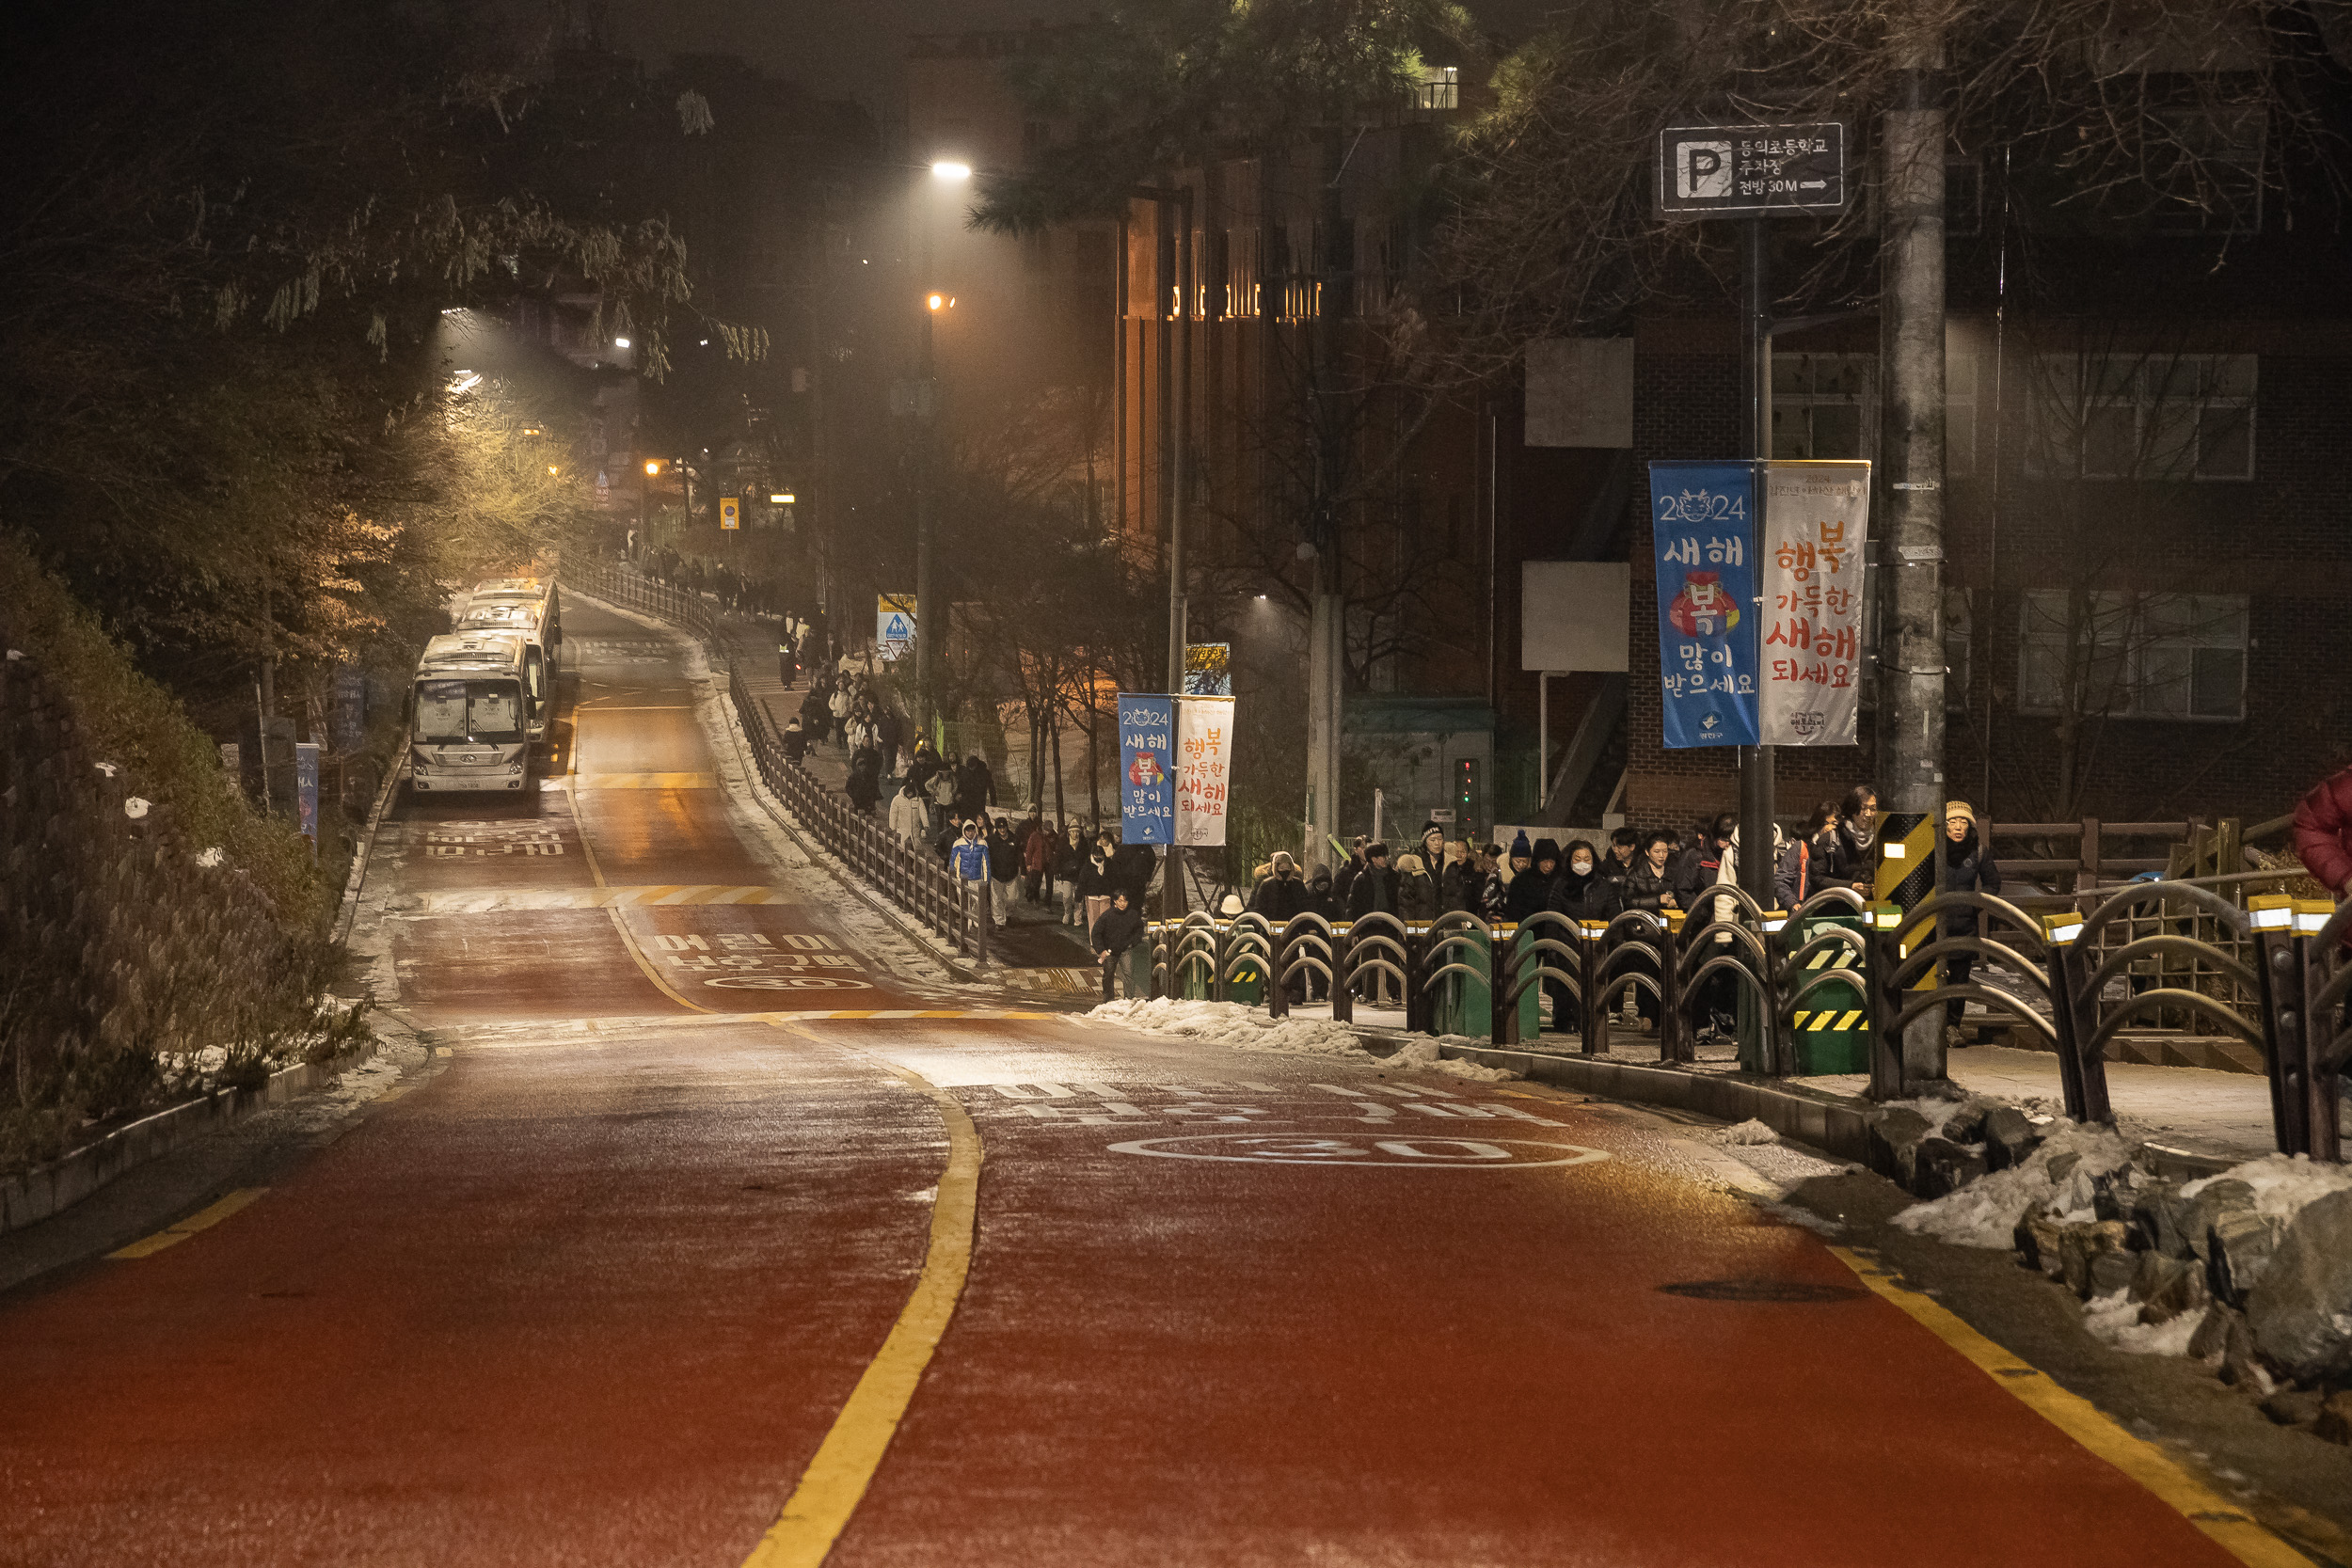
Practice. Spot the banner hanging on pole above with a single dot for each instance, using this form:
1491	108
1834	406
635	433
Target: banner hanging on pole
1204	754
1817	516
1147	789
1702	534
307	792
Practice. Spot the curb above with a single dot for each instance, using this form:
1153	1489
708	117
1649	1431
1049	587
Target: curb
1832	1124
45	1189
367	847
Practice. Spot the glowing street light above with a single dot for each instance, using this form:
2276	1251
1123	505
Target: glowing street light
951	171
620	342
782	498
553	469
653	467
936	301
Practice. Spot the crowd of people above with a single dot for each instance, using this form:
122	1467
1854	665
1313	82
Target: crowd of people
736	591
1656	869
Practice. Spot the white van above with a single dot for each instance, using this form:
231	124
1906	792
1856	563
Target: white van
470	729
530	609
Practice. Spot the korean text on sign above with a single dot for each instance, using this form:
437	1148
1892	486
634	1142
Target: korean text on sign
1147	785
1204	750
1816	520
1702	521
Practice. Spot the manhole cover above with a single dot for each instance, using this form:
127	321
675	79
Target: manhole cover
1762	1290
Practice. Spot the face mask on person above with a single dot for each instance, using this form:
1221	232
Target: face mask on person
1581	865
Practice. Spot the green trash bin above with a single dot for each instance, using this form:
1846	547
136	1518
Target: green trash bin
1831	1030
1465	1004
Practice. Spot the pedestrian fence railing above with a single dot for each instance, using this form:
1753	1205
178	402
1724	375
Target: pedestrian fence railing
909	875
1833	985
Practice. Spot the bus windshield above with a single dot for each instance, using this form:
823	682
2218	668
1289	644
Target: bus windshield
483	712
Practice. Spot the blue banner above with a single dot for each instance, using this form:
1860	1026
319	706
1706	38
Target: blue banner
1703	525
1147	788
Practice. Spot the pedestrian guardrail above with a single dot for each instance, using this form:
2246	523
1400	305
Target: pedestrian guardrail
1834	965
910	877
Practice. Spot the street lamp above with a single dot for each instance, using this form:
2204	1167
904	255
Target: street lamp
951	171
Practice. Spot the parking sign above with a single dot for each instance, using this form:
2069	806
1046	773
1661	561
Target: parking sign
1749	170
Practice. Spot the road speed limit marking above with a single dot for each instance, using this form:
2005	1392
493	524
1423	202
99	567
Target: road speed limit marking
1392	1153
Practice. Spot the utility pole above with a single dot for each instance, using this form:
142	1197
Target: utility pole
1756	762
1180	434
1326	618
931	617
1911	439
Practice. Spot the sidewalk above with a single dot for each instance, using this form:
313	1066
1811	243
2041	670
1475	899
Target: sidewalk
1031	937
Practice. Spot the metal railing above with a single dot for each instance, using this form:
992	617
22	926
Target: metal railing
1877	967
907	875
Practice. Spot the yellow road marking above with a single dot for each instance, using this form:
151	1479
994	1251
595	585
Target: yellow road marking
203	1219
2229	1527
836	1479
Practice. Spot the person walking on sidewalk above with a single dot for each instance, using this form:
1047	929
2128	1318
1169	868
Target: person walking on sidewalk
1968	867
1112	935
1036	858
968	861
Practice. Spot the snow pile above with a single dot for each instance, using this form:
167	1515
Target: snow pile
1423	1053
2114	1320
1984	1213
1748	1131
1230	1024
2281	1185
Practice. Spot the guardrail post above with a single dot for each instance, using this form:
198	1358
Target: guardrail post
2286	1048
1672	1032
987	919
1595	1015
1887	1050
2323	1089
2082	1079
1343	966
1277	988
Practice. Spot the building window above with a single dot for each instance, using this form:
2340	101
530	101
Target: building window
2145	416
2207	168
2133	655
1821	405
1441	88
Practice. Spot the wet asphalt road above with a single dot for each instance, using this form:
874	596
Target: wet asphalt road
595	1287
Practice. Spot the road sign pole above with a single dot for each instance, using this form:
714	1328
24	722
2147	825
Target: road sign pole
1756	762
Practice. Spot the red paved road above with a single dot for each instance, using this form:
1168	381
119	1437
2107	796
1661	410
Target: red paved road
595	1298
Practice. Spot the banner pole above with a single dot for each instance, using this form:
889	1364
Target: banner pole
1757	762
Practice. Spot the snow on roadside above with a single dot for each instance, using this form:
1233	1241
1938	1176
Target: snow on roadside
1230	1024
2114	1320
1984	1213
2281	1185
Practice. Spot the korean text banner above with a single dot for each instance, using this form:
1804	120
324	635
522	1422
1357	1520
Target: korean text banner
1147	789
1204	765
1815	516
1702	522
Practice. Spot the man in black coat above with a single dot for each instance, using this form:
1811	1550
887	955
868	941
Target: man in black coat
1281	895
1374	891
1113	934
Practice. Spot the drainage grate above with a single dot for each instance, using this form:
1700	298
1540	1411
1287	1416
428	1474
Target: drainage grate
1762	1290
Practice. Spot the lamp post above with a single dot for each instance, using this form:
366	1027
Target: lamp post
930	616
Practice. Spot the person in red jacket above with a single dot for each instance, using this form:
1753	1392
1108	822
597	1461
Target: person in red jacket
2323	831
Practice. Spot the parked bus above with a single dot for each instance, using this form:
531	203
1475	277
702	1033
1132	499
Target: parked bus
527	607
470	729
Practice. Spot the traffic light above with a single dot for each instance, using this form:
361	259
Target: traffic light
1466	791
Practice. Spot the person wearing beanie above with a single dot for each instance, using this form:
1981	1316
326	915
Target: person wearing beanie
1531	888
1968	867
1432	850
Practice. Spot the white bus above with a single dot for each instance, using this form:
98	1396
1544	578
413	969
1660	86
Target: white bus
472	727
530	609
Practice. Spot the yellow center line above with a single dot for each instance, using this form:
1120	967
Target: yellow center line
612	911
836	1479
2226	1524
203	1219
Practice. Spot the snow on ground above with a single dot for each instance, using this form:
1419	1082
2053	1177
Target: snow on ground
1230	1024
2114	1320
1984	1213
1748	1131
2281	1185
